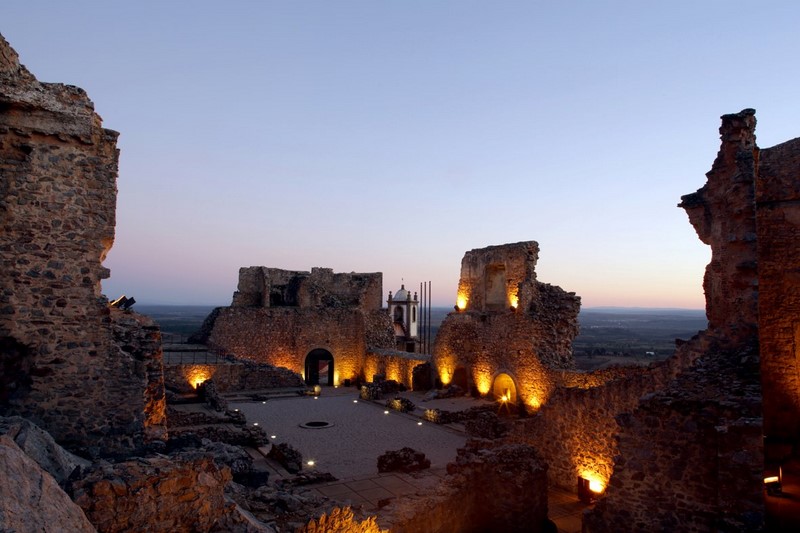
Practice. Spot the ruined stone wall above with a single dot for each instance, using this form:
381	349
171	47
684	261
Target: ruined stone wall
157	494
575	430
230	377
723	214
285	336
488	488
393	365
62	364
525	337
498	277
691	457
778	228
274	287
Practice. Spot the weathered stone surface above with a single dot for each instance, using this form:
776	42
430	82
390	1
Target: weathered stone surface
30	499
489	488
156	494
403	460
778	229
691	456
279	317
40	446
57	214
508	323
291	459
723	214
231	375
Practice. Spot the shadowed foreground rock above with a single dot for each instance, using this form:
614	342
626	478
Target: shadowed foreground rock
158	494
30	499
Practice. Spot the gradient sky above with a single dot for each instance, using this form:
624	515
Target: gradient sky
394	136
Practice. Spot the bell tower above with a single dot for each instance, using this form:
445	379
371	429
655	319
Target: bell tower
404	310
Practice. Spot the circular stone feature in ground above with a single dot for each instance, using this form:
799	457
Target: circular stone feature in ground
316	425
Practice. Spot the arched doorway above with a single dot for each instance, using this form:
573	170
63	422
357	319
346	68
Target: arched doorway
319	367
504	388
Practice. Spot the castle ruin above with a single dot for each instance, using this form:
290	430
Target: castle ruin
327	326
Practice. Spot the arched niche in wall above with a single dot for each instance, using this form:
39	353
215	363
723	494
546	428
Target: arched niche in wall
504	388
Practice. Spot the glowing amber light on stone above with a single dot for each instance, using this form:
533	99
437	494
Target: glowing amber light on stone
596	486
513	301
461	302
483	381
198	375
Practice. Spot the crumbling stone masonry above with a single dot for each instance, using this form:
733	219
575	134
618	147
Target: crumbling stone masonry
489	487
691	456
328	327
777	199
508	330
67	363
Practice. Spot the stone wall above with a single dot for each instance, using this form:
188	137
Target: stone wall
231	376
507	323
690	456
274	287
156	494
723	214
393	365
574	432
278	317
488	488
63	365
777	223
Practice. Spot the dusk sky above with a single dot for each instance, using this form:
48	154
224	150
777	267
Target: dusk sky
394	136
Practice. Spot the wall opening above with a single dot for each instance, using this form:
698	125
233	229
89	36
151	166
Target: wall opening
398	314
495	287
504	388
319	367
15	370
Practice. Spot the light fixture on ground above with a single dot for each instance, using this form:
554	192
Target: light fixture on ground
589	489
772	482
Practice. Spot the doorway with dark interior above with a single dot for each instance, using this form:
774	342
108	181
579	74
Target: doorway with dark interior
319	367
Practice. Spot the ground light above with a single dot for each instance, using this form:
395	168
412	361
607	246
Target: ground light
589	489
773	482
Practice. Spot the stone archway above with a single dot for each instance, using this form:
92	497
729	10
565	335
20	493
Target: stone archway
504	387
319	367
